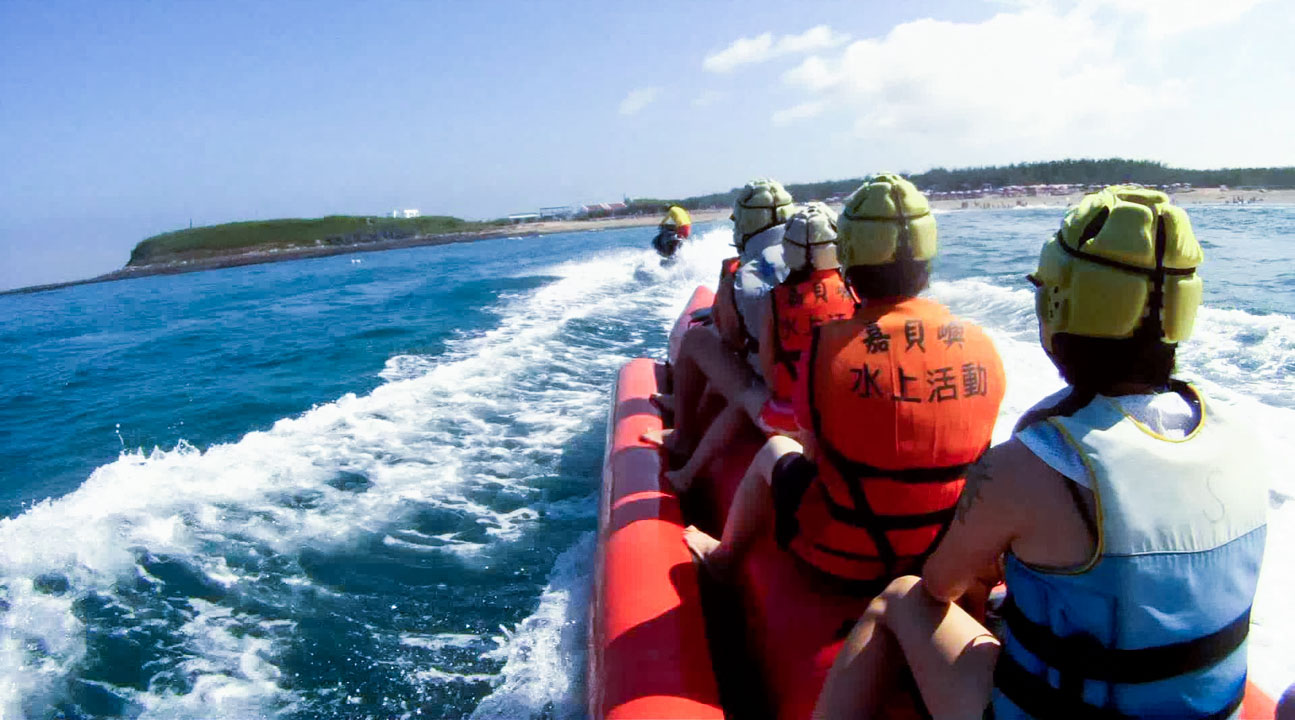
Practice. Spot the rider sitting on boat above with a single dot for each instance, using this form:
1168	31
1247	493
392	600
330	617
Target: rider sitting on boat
723	357
813	293
897	401
1128	510
677	220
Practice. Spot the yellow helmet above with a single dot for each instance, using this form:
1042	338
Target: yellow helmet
810	238
760	205
885	219
1123	261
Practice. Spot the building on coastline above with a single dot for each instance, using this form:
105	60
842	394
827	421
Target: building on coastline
559	212
405	213
518	218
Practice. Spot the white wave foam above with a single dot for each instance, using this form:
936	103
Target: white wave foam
233	672
494	412
545	653
1251	354
439	641
432	676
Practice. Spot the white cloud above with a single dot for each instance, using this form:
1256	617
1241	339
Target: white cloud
745	51
638	99
802	111
812	73
741	52
1017	80
1163	18
1187	82
819	37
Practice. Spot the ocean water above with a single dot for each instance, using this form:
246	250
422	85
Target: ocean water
364	486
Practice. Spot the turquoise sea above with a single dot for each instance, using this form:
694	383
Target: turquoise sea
364	486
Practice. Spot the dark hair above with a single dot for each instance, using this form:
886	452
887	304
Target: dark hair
902	278
1095	365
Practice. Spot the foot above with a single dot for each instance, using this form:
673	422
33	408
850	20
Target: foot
680	480
707	551
659	438
667	440
664	403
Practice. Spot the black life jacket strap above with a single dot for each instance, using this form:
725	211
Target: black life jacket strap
853	470
1116	264
1072	403
786	358
1036	697
862	508
854	518
1086	658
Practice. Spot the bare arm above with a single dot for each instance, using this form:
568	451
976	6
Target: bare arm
983	528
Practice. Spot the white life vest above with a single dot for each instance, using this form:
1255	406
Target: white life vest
1154	625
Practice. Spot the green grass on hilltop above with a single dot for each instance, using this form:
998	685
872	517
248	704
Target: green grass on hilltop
231	238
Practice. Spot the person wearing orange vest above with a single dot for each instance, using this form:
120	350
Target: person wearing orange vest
1126	514
812	294
720	359
898	401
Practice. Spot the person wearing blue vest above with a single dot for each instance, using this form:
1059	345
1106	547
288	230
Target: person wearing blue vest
1127	512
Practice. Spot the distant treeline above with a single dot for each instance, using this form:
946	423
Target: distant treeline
230	238
273	235
1057	172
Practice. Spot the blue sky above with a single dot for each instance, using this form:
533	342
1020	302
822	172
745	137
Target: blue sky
122	120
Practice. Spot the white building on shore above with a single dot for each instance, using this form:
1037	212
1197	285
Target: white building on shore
405	213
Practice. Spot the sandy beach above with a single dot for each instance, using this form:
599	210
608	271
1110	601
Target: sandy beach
1197	196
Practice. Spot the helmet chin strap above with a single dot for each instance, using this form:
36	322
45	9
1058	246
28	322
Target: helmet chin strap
1154	323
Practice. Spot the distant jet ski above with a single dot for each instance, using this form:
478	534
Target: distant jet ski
666	243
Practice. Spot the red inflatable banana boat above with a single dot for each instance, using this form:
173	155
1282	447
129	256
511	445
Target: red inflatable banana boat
663	642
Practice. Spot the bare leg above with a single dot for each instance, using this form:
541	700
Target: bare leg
690	384
720	433
660	438
705	360
750	516
951	656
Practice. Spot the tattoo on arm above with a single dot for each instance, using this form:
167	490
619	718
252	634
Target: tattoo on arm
977	475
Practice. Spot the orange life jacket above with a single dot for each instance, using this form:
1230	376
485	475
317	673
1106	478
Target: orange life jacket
798	308
904	396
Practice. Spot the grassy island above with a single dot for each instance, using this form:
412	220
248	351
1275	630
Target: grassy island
202	243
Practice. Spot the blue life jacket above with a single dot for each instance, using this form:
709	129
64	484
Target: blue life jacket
1154	624
761	270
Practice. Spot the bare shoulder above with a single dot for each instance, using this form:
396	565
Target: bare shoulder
1008	476
1035	505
